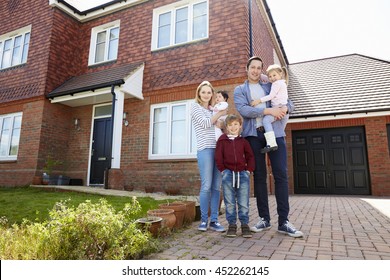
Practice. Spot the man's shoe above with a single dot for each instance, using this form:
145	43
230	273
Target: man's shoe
246	232
202	226
261	225
232	231
288	228
217	227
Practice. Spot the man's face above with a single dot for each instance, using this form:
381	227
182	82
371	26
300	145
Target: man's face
254	71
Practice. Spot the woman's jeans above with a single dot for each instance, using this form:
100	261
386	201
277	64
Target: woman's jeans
236	192
278	160
210	185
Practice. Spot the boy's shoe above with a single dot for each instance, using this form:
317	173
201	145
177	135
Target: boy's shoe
217	227
261	225
232	231
202	226
246	232
288	228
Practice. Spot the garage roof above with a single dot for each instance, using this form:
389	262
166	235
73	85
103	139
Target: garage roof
340	85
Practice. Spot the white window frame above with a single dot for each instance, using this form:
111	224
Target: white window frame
94	33
189	132
9	157
18	58
172	8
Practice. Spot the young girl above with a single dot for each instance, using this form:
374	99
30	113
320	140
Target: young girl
221	99
278	96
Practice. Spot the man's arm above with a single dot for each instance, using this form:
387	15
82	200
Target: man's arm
243	107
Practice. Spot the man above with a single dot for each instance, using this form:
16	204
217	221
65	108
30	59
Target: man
253	131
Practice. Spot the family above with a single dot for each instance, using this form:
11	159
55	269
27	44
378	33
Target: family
232	147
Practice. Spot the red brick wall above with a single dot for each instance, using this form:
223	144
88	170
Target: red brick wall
27	80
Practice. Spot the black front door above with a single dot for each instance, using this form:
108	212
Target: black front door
330	161
101	150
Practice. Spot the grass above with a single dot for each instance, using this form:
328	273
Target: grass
34	204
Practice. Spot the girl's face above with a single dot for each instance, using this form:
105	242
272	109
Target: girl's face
219	98
234	128
274	76
205	95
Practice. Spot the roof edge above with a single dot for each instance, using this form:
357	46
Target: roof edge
338	56
92	88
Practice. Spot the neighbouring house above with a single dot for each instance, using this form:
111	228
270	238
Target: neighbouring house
339	132
106	92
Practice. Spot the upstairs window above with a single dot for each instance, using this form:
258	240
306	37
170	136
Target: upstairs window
172	135
104	43
14	47
180	23
10	126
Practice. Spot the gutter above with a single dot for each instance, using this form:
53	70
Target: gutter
112	136
250	29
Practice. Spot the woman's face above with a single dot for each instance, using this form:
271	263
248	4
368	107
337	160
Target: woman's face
205	94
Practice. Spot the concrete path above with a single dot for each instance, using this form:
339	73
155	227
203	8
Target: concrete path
335	228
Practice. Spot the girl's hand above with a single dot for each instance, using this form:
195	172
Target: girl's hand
255	102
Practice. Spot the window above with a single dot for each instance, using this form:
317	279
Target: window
171	133
10	126
104	43
179	23
14	47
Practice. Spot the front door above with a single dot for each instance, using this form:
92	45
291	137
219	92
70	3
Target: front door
101	150
331	161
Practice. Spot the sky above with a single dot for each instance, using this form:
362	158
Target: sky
316	29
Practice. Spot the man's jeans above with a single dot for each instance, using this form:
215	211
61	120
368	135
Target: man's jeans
235	187
278	160
210	185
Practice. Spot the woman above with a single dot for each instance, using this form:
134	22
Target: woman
204	123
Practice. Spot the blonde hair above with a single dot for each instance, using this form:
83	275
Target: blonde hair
202	84
282	70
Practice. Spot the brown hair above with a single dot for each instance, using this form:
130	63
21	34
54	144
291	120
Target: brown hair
231	118
254	58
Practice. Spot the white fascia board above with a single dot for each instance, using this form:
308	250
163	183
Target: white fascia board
98	13
133	84
339	117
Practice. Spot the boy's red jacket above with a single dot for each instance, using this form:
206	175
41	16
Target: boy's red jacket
235	155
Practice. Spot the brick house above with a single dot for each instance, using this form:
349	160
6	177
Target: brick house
75	83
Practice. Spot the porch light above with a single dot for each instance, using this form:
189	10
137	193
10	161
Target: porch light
77	124
125	121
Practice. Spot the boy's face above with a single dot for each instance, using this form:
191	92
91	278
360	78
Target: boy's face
234	128
219	98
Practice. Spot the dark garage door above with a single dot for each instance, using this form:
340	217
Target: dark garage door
330	161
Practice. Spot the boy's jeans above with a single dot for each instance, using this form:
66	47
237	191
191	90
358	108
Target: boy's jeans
210	184
236	195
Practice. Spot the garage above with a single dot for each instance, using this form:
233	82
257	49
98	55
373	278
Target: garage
331	161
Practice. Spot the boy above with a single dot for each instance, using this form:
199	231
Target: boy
235	159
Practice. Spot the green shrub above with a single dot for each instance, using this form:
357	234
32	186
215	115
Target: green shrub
88	231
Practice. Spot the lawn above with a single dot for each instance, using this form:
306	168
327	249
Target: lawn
34	204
